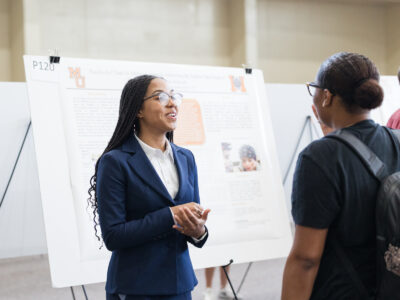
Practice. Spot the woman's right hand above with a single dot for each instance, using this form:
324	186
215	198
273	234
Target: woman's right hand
194	207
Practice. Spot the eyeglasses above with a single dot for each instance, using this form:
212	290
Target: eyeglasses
164	97
312	87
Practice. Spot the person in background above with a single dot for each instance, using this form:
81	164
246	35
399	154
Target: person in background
334	195
394	121
225	291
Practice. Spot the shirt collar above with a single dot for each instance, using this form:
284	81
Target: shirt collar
150	151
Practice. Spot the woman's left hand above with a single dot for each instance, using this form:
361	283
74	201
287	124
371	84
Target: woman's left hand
189	224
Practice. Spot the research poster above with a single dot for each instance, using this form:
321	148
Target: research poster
224	120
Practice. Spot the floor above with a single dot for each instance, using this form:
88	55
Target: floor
28	278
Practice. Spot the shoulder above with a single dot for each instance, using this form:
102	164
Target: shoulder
185	152
394	121
396	115
321	149
115	157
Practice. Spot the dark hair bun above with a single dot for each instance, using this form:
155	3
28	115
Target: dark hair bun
369	94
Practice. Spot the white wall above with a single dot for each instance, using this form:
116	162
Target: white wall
295	37
177	31
288	42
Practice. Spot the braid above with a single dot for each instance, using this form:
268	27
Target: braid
130	104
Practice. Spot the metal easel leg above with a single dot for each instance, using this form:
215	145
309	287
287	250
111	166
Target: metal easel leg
72	291
15	164
84	292
229	280
308	119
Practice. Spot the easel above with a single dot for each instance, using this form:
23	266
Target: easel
308	123
83	289
242	281
227	277
15	164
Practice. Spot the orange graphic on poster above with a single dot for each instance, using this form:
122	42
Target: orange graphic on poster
237	84
190	127
76	74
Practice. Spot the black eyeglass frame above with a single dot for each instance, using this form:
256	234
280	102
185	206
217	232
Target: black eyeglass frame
312	84
170	96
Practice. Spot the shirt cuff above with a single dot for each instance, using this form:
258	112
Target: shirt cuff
172	214
201	238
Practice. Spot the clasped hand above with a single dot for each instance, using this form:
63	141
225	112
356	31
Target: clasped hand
190	219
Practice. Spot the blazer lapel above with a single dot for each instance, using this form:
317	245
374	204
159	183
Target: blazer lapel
142	166
182	167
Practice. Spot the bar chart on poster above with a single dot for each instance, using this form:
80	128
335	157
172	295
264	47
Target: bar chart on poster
224	120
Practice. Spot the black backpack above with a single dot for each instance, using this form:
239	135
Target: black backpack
387	220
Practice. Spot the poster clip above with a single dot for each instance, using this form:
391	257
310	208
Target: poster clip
54	58
247	68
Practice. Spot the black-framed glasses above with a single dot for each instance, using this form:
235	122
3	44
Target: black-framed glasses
164	97
312	87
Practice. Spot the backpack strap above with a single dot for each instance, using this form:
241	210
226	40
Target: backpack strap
377	168
395	132
374	165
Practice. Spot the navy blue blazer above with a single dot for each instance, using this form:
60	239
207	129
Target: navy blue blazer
149	257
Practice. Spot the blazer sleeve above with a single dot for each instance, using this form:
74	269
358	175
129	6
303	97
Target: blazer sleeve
117	232
196	198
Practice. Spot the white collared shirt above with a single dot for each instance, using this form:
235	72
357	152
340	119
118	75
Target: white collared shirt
163	163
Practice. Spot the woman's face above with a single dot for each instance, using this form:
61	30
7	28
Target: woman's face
153	115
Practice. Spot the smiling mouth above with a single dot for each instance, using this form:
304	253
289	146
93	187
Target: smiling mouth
172	115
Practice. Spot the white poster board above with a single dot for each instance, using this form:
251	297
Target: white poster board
74	108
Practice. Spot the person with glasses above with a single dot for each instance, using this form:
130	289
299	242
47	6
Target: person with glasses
145	194
334	195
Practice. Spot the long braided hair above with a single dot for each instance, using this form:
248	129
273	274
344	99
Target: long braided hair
128	124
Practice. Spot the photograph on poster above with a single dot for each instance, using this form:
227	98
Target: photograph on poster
240	157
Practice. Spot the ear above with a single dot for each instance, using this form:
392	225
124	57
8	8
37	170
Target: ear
315	112
327	99
140	114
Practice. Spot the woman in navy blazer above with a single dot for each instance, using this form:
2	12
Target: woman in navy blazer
143	223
